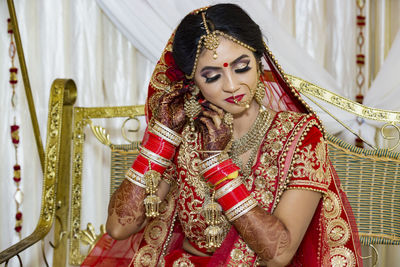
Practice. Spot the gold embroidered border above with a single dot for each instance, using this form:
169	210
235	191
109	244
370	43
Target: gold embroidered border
305	184
341	102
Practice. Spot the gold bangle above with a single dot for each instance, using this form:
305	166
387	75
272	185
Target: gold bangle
165	133
227	188
153	157
131	172
223	180
131	176
241	208
211	162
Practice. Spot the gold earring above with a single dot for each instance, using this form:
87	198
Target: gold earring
260	93
192	107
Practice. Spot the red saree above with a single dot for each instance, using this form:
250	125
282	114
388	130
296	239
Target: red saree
293	155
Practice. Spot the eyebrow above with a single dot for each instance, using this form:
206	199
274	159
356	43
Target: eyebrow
232	63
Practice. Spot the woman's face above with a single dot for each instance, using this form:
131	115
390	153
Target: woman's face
233	72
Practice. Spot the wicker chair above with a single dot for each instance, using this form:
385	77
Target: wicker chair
370	180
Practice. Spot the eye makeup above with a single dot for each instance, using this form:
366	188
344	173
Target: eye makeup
239	65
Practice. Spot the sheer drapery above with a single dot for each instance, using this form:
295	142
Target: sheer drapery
62	39
312	39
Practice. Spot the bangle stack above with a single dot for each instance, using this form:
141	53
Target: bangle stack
235	199
157	150
218	168
241	208
232	195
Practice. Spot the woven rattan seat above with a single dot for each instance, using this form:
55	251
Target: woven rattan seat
369	178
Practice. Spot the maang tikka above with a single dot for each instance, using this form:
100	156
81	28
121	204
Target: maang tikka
210	40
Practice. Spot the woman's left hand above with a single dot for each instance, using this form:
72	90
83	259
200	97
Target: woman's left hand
216	132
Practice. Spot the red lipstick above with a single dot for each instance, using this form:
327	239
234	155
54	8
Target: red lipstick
237	97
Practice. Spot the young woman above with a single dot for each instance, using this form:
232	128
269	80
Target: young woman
234	169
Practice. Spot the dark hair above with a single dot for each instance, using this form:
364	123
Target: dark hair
228	18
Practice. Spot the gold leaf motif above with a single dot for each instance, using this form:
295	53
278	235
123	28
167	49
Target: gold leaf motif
145	257
342	257
338	232
312	163
89	236
332	207
237	254
155	232
183	262
267	197
100	133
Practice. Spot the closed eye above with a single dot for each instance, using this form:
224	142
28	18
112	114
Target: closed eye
212	78
243	67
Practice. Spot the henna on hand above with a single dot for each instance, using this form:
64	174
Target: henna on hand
263	233
216	133
171	112
127	204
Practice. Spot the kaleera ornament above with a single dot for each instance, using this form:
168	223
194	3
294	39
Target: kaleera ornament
15	134
17	173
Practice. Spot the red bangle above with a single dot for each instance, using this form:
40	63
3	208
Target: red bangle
141	165
157	145
222	173
216	168
232	198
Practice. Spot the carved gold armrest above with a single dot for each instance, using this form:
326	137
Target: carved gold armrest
62	97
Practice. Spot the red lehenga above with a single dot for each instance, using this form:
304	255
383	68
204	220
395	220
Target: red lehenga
293	155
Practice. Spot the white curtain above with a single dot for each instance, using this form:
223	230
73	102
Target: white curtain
111	65
62	39
312	39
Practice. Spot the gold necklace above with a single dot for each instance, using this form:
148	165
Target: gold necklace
250	141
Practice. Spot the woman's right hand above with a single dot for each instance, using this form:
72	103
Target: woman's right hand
171	112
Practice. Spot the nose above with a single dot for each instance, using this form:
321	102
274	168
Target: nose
230	85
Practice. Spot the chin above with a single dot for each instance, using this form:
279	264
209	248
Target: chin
235	109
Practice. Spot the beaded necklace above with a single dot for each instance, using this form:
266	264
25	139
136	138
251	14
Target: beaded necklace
250	141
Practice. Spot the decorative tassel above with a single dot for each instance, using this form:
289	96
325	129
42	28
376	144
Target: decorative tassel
212	212
214	236
152	201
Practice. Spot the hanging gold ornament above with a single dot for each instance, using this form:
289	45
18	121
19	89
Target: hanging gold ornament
152	201
192	107
214	233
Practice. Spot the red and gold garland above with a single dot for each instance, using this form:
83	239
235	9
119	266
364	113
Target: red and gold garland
360	58
14	128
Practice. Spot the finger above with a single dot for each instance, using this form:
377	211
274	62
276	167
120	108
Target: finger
219	110
169	97
214	116
208	123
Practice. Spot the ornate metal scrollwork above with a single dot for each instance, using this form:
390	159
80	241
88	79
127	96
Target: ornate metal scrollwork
132	131
397	128
82	118
100	133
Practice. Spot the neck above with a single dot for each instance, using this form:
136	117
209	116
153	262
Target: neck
242	122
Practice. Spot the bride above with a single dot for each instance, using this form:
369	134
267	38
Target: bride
233	168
